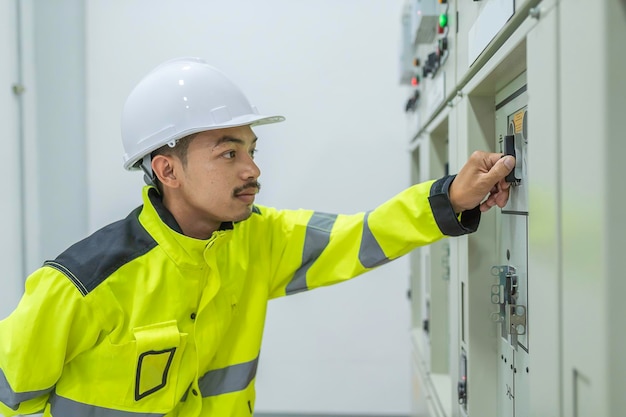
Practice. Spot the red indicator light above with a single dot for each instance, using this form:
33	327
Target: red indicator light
415	81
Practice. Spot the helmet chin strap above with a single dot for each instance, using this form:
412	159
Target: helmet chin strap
148	174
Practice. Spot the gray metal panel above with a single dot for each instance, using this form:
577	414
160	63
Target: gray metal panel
511	105
544	309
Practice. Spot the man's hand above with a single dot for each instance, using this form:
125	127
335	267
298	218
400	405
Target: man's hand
481	176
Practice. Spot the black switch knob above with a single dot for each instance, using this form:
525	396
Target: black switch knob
509	149
462	392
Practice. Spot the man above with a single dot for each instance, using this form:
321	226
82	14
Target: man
162	313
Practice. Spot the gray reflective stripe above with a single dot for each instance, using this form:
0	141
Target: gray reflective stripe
13	399
230	379
315	241
62	269
64	407
370	252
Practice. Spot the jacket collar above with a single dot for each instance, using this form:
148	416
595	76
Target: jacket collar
157	202
162	226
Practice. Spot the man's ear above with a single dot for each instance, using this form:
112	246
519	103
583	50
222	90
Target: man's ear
163	167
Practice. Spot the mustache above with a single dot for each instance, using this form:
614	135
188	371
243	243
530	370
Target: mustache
251	184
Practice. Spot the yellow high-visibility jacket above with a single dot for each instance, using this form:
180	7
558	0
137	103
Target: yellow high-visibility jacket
140	320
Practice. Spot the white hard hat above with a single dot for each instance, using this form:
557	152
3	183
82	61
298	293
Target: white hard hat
178	98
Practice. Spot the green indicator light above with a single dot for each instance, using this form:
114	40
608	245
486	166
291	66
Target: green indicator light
443	20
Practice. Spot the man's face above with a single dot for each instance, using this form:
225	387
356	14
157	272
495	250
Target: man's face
219	181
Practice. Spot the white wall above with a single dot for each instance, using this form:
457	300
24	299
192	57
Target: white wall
43	209
59	55
330	67
11	207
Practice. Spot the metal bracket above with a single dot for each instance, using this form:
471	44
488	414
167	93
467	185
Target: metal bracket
511	316
516	319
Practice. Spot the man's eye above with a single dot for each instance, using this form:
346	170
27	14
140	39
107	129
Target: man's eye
229	154
253	153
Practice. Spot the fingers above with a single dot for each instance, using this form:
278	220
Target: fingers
486	205
483	175
501	167
497	197
494	158
504	185
502	198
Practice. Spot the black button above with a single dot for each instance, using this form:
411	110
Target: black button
193	316
194	392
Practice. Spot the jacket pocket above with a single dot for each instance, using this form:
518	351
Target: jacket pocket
158	350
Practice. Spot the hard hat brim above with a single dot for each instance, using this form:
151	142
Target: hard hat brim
133	162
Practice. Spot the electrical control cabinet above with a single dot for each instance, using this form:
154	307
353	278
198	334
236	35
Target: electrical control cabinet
479	23
510	289
430	286
522	317
427	62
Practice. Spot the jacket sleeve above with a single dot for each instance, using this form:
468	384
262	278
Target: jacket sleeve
311	249
48	328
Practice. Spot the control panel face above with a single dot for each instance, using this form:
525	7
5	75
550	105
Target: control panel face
509	292
427	56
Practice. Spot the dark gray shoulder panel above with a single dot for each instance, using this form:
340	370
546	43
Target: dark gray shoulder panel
89	262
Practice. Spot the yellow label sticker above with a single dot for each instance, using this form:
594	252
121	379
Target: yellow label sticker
518	120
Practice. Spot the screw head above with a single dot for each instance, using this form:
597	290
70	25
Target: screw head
535	12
